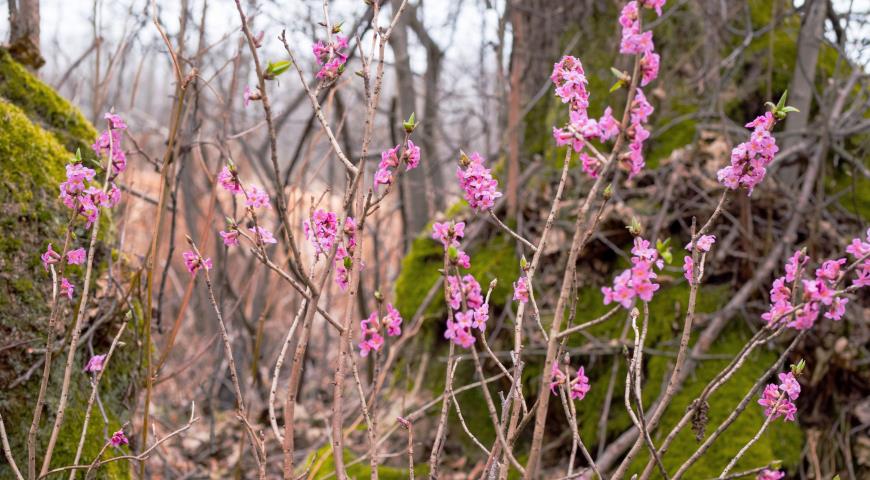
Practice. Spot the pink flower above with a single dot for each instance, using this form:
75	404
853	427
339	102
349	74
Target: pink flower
467	288
412	156
521	289
321	230
556	378
768	474
76	257
477	183
393	321
805	318
590	164
780	292
247	96
109	142
749	160
789	385
229	179
830	269
776	403
263	235
636	281
608	125
448	234
688	266
704	243
50	257
649	67
371	338
838	308
257	197
194	262
655	4
119	438
570	81
580	385
230	237
331	57
796	261
95	364
67	288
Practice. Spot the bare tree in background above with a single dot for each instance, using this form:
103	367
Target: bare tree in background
24	32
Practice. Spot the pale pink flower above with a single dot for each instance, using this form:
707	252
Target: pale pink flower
229	180
76	257
67	288
50	257
194	262
95	364
257	197
768	474
521	289
230	237
261	234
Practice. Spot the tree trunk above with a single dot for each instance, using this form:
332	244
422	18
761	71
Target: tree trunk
24	33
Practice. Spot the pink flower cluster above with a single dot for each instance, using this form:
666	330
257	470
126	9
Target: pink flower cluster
118	439
703	245
768	474
390	161
50	257
86	201
777	400
344	253
109	143
95	364
331	57
579	386
449	235
636	42
818	292
521	289
370	330
255	197
477	183
749	160
193	261
637	133
321	230
637	281
570	80
861	250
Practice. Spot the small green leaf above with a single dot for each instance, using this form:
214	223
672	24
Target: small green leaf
78	155
410	124
788	110
616	86
782	99
770	106
277	68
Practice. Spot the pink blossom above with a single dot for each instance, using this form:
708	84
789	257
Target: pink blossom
521	289
467	289
448	234
838	308
229	179
749	160
248	96
109	142
230	237
654	4
796	261
570	81
76	257
477	183
67	288
688	266
608	125
95	364
777	312
262	235
580	385
830	269
50	257
371	338
649	67
789	385
257	197
321	230
704	243
637	280
194	262
556	378
780	292
768	474
119	438
805	318
590	164
331	57
393	321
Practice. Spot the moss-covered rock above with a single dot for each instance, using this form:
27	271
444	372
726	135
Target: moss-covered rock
39	134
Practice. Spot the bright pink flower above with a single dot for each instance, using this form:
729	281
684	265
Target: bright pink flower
570	81
412	156
637	281
331	57
194	262
796	261
477	183
257	197
704	243
805	317
580	385
777	312
321	230
467	288
521	289
654	4
608	125
230	237
67	288
50	257
749	160
448	234
393	321
95	364
780	292
458	332
830	269
789	385
76	257
649	67
109	141
590	164
556	378
776	403
371	338
229	179
768	474
119	438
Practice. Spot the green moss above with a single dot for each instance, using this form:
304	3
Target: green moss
39	131
44	106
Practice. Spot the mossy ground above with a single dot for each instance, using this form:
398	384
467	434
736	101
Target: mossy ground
39	133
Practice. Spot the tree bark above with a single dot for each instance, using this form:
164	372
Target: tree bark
24	33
